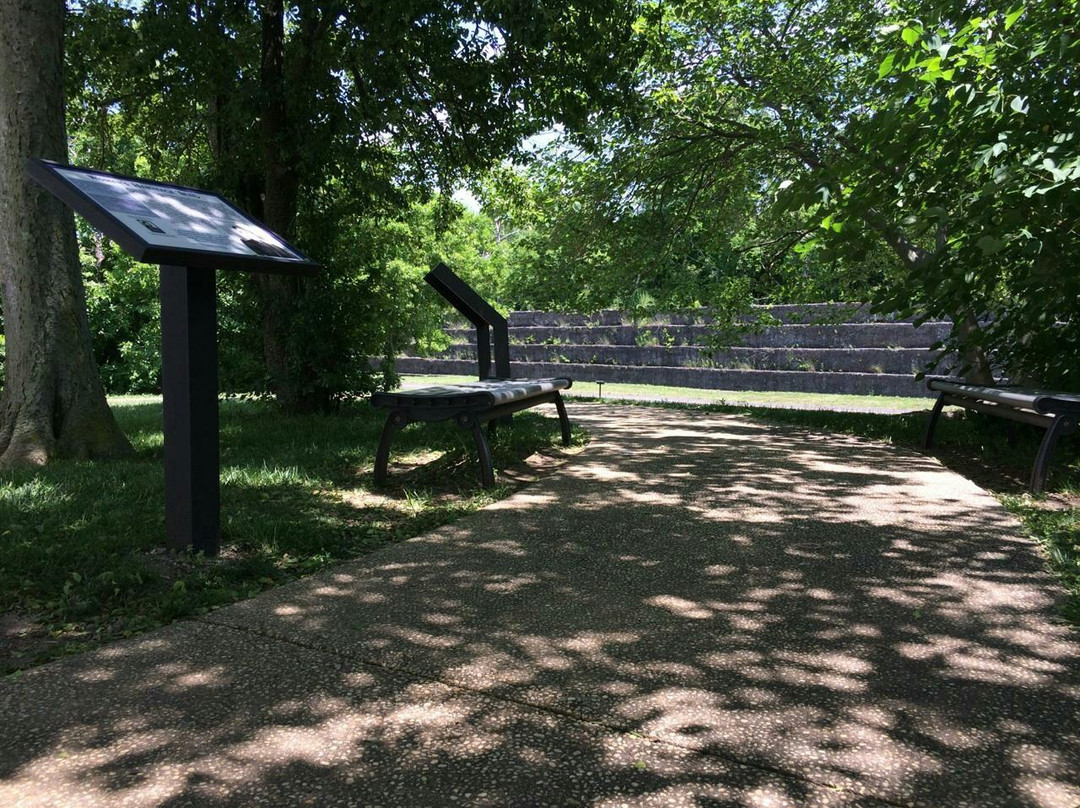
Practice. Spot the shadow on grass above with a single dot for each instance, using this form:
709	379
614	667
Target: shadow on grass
81	555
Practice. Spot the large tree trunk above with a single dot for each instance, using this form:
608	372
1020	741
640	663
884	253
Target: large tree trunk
53	404
292	378
979	369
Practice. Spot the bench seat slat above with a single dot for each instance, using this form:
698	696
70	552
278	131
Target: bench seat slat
479	395
1023	416
1045	402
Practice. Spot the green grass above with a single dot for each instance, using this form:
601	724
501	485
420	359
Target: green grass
81	556
584	388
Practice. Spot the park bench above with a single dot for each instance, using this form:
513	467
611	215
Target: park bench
491	400
1056	412
470	405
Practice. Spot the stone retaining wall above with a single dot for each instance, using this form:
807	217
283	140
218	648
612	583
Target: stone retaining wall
820	360
879	384
806	314
847	335
819	348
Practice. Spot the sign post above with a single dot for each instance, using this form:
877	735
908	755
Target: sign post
190	233
189	387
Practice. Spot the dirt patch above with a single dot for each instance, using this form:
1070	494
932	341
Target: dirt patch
22	638
443	479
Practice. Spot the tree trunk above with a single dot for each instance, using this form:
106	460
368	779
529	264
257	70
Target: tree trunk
977	364
291	376
53	403
979	370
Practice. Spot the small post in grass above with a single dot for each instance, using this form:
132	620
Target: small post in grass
599	390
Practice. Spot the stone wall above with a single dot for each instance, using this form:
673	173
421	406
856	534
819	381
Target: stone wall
820	348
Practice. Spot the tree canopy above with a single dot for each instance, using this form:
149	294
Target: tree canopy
322	118
921	156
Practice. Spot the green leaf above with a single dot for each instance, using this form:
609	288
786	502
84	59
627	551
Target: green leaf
911	35
886	66
1013	16
990	245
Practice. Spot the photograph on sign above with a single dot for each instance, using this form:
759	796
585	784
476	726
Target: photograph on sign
168	216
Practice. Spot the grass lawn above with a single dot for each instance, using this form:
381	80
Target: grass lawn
81	556
649	392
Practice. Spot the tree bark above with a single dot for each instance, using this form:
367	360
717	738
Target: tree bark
979	369
53	404
291	377
977	363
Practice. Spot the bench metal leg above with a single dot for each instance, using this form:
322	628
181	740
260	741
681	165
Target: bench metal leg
564	421
1060	426
487	467
928	436
395	421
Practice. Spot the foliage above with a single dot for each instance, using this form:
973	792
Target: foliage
671	194
374	311
122	303
79	551
317	116
586	232
968	161
921	155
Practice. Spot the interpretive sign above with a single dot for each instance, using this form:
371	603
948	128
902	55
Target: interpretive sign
190	233
160	223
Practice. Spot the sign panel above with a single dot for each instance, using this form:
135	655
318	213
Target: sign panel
171	224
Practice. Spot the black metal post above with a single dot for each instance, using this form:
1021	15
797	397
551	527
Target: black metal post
189	381
928	435
564	421
483	350
397	419
500	333
1061	425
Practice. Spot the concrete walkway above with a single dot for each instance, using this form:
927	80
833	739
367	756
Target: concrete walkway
699	610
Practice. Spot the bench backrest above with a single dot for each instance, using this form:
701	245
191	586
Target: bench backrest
491	327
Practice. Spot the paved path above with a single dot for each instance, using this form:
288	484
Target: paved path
700	610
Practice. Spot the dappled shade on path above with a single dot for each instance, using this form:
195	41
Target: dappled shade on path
797	619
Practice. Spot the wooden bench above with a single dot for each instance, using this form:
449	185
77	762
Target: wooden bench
1058	413
471	405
